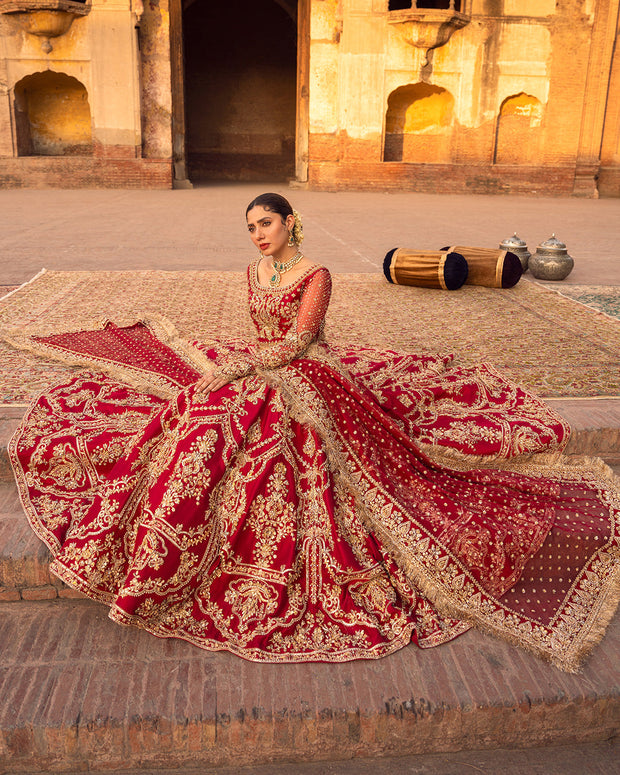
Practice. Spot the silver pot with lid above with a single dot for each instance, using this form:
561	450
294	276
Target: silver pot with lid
517	246
551	260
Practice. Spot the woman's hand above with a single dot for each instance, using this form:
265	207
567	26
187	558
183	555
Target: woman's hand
212	380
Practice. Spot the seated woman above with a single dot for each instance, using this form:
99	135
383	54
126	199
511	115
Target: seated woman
299	502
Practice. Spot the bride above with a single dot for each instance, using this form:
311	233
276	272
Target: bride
294	501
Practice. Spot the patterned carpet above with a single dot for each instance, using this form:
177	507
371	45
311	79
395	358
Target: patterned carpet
604	298
553	345
6	289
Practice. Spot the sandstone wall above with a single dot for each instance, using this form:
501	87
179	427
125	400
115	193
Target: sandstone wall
85	107
522	97
512	102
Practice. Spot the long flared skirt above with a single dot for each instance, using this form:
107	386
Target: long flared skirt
336	508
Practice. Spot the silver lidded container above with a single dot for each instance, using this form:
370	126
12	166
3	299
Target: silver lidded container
551	260
517	246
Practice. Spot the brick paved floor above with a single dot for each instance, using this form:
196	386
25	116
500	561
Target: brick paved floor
594	759
204	228
80	691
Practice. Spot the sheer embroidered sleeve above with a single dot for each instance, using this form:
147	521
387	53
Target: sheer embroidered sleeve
307	327
312	311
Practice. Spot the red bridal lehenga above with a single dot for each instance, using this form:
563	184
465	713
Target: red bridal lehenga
326	504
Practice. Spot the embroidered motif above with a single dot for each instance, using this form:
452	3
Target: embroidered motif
323	504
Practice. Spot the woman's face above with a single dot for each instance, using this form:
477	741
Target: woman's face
268	232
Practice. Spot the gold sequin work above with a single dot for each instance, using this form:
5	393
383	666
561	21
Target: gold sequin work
328	503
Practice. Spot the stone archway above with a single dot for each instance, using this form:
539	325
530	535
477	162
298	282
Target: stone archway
240	86
518	136
418	124
52	116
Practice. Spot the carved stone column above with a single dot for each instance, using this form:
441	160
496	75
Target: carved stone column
6	130
179	154
303	91
595	101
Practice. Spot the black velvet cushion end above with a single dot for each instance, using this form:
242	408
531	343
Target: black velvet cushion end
455	271
387	262
511	271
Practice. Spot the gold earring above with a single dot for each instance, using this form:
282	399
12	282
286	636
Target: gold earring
291	241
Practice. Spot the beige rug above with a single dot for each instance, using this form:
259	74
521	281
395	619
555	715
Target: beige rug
550	343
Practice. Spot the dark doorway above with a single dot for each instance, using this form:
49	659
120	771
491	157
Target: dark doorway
240	89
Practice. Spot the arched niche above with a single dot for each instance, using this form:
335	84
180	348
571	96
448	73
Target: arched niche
52	116
418	125
519	130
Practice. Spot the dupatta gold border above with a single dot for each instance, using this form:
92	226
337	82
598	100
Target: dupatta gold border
141	379
471	603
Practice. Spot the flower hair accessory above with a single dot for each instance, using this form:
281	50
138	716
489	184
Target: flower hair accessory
298	229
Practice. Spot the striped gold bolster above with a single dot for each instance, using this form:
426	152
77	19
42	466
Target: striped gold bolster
487	266
423	268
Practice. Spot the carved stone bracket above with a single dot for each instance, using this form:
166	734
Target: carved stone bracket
427	29
45	18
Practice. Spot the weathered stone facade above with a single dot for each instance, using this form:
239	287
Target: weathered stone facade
89	106
487	96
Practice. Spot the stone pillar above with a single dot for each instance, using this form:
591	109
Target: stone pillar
156	81
114	92
609	173
179	154
6	125
361	82
303	91
595	100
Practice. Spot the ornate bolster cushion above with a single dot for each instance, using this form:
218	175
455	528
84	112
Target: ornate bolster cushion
425	268
490	267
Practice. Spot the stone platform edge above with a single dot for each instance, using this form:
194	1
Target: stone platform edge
82	693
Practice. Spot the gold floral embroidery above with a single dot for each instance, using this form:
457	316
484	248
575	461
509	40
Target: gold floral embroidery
244	519
251	601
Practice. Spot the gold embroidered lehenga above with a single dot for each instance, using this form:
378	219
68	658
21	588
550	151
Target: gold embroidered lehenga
326	504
